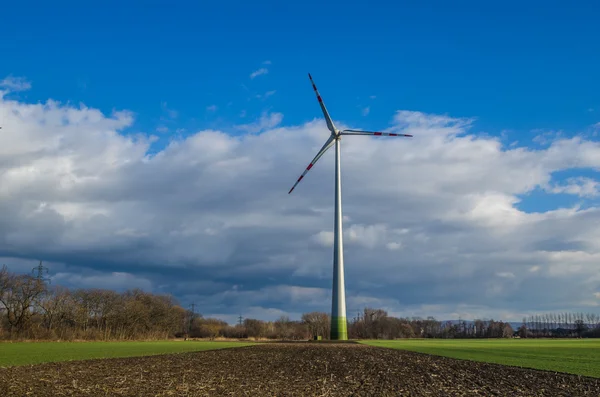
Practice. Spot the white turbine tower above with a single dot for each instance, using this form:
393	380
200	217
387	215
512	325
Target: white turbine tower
338	305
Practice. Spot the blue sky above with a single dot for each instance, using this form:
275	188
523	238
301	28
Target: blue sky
525	74
516	67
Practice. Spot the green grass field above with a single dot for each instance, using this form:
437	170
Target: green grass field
575	356
25	353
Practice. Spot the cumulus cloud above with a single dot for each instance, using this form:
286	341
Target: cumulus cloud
432	225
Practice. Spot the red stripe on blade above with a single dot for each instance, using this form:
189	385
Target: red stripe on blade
309	167
377	133
393	134
319	98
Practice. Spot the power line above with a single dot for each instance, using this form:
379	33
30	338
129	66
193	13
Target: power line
39	272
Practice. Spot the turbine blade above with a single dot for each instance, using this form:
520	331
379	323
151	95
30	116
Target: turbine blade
323	108
372	133
326	146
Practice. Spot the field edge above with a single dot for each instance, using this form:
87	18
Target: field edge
23	354
582	371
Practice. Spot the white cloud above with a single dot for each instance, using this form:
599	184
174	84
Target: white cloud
266	121
546	137
14	84
259	72
365	111
393	246
431	223
324	238
580	186
369	236
267	62
212	108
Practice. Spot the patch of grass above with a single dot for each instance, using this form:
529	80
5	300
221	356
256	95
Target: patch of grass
25	353
575	356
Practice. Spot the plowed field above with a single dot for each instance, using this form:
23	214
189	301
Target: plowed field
299	369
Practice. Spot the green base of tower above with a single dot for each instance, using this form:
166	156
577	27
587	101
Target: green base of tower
339	328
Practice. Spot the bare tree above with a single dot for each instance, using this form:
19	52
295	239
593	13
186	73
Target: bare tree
283	327
54	305
18	294
254	328
318	323
212	327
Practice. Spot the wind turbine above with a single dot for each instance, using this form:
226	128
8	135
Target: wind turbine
338	305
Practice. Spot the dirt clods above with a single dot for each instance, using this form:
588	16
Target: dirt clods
295	369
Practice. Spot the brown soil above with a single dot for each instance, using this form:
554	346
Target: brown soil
298	369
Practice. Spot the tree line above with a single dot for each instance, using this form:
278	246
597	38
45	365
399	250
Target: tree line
31	308
561	325
377	324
